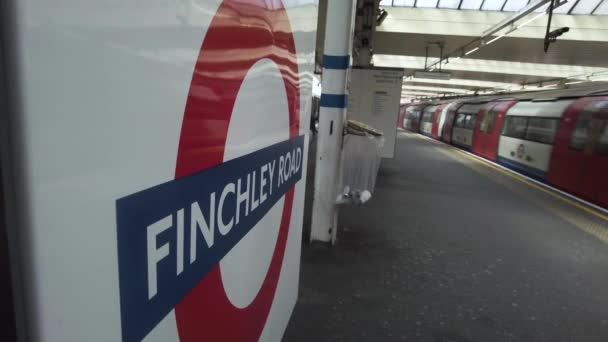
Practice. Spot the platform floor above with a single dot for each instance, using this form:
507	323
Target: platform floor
449	249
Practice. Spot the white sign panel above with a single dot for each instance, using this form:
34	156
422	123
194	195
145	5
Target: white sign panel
157	158
374	99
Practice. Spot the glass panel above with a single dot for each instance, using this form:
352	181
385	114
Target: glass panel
427	117
483	125
426	3
581	132
448	3
515	5
565	7
585	6
487	120
602	146
460	119
492	119
470	121
471	4
515	127
403	3
386	2
492	5
542	130
603	9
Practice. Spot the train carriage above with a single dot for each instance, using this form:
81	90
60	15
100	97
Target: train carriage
559	137
579	163
529	129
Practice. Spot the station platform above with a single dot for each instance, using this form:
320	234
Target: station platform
453	249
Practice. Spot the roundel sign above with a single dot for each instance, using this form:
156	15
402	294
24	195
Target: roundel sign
210	243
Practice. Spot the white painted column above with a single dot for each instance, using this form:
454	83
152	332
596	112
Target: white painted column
332	114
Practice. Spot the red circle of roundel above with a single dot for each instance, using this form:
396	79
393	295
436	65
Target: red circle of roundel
240	34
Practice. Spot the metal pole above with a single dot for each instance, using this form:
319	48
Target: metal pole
332	114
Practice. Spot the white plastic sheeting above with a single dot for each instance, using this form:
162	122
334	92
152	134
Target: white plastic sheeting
362	157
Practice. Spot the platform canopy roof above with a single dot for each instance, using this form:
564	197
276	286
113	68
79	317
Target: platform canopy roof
511	58
581	7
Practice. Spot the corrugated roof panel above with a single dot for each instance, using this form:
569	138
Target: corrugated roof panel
449	4
603	9
492	5
402	3
471	4
585	6
563	9
426	3
515	5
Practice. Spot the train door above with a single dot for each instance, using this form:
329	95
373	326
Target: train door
487	129
426	120
481	131
567	161
595	181
448	125
580	161
435	121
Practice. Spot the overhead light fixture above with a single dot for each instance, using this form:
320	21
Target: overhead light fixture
471	51
531	20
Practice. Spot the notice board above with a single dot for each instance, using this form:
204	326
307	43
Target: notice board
375	94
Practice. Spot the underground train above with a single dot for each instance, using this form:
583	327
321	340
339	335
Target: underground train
558	137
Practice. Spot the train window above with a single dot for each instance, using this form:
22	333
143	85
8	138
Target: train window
542	130
427	117
581	132
470	121
460	120
487	121
491	119
602	146
515	127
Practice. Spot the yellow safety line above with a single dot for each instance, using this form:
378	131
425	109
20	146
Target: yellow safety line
520	178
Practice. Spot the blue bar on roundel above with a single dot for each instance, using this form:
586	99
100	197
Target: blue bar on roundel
157	266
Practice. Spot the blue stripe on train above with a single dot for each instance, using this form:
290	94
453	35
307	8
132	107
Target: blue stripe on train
522	168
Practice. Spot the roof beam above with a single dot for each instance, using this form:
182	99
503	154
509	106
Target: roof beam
483	66
598	6
572	8
502	8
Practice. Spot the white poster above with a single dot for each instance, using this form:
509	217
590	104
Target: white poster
374	100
